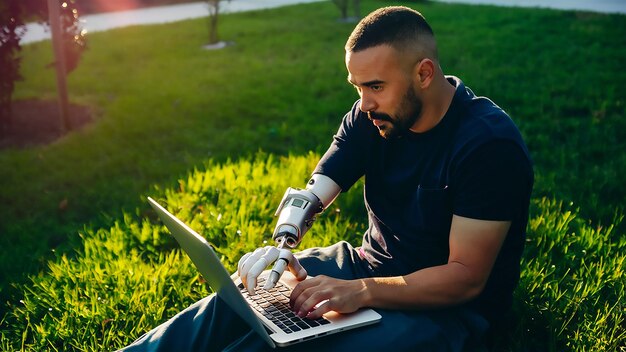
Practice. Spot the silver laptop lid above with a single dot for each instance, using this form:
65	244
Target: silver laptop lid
204	257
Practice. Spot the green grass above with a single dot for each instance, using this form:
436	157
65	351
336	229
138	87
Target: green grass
186	125
130	277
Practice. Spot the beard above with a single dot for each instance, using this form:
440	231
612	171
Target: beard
403	118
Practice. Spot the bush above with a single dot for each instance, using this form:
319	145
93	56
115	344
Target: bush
13	14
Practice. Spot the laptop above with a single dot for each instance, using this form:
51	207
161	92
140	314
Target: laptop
267	312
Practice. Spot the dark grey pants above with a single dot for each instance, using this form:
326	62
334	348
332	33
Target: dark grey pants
210	325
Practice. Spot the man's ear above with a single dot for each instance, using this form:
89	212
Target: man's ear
424	72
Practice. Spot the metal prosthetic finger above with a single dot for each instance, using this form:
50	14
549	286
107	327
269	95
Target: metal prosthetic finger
241	261
270	254
294	265
279	268
251	259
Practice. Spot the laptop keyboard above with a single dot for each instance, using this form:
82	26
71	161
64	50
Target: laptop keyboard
273	304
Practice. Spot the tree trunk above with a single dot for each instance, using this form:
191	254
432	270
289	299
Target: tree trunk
11	31
57	42
214	9
357	9
343	7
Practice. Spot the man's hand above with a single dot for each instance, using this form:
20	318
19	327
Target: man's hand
251	265
321	294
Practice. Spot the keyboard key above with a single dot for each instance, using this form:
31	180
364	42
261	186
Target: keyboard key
302	325
295	328
311	323
277	314
323	321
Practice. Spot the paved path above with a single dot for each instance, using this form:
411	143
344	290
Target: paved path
603	6
162	14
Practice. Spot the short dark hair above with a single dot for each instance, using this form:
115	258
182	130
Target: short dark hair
398	26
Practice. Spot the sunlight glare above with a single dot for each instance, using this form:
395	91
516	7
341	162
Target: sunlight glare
116	5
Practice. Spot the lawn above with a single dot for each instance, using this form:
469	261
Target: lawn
218	136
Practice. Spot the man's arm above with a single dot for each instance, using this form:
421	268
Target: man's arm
474	247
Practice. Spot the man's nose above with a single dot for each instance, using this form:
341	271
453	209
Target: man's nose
367	103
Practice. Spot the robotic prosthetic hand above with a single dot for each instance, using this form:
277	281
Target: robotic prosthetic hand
296	213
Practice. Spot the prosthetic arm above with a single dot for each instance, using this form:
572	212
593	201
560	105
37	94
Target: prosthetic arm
296	213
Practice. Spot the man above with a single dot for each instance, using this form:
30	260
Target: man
447	187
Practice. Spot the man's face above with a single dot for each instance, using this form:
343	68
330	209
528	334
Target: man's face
385	84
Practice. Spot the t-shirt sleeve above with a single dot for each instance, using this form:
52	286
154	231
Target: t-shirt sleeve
493	183
345	159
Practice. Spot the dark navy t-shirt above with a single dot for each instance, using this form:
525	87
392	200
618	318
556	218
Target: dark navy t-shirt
473	164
